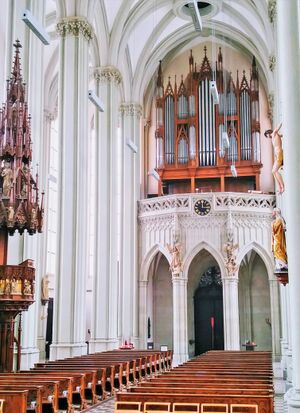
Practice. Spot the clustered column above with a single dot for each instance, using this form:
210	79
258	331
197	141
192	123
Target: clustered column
289	86
106	285
180	341
130	174
69	316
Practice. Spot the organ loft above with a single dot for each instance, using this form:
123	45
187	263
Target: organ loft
206	142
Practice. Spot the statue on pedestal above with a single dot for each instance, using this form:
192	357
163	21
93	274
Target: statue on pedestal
45	289
7	176
176	263
278	241
230	250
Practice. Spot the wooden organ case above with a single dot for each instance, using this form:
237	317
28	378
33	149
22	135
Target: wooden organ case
203	146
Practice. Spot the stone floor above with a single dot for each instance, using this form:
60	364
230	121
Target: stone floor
107	406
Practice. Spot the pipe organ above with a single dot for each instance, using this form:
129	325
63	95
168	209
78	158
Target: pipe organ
198	141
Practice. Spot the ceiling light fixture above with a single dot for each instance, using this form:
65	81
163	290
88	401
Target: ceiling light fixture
36	27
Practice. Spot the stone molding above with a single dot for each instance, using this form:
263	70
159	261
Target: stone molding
131	109
108	74
74	26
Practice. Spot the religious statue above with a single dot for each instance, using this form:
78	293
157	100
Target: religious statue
230	250
25	170
33	217
27	288
278	154
7	288
278	240
45	288
14	286
7	176
11	214
175	251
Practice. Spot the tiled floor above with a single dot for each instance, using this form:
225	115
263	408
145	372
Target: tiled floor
107	406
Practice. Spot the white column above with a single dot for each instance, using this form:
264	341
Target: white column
289	352
104	334
180	336
231	312
284	327
143	286
275	318
72	251
45	154
130	153
289	82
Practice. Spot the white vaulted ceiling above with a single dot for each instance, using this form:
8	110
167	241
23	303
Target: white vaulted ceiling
134	35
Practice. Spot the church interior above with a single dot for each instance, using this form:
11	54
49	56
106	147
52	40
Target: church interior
149	206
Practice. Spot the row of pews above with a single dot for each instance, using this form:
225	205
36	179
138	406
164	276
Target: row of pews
215	382
74	384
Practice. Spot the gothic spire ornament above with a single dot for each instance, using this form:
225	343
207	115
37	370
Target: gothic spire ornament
19	194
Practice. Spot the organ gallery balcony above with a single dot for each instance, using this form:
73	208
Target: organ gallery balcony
207	204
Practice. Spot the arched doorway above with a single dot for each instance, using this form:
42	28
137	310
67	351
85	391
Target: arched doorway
204	300
208	312
254	302
159	304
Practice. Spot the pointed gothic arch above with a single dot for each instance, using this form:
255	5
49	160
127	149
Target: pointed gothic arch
147	260
261	252
203	245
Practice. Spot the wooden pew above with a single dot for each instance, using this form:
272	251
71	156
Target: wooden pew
264	403
230	380
35	394
14	401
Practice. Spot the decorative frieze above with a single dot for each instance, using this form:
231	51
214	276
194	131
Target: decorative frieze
131	109
75	26
108	74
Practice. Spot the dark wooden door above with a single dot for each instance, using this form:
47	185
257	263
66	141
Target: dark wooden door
208	307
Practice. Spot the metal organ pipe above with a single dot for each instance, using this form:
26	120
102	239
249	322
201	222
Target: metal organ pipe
192	139
192	106
182	151
159	152
207	135
182	107
221	144
169	130
207	95
246	147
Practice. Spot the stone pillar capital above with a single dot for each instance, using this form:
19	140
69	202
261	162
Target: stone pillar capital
75	26
233	278
179	279
49	115
131	109
107	74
